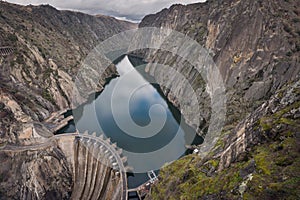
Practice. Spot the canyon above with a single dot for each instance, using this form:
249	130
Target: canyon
254	44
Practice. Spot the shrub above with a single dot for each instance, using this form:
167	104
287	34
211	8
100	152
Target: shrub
289	54
12	38
287	29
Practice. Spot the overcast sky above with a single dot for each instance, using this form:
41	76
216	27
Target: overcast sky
130	9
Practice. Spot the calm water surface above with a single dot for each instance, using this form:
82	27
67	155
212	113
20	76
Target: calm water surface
129	99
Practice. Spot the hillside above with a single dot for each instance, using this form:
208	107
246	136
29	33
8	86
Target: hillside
48	47
41	50
255	45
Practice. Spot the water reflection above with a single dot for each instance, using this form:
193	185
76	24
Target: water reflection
131	99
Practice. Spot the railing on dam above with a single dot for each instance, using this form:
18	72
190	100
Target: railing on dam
108	157
110	151
141	191
95	146
5	51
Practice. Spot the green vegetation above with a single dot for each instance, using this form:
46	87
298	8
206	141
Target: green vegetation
186	180
289	54
288	121
47	73
276	170
262	164
265	124
268	122
46	95
12	38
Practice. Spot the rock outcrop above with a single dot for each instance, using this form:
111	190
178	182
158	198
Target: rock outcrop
37	78
70	166
41	173
41	50
257	158
255	45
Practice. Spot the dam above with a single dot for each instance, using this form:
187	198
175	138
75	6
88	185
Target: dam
109	112
91	156
98	167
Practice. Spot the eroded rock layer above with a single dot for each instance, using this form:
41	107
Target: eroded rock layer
255	45
37	77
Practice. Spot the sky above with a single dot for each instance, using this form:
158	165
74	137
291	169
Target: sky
132	10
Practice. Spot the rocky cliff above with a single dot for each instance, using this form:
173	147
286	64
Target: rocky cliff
67	166
255	45
48	46
41	173
41	50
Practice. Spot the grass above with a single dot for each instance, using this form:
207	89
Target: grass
46	95
183	179
276	174
267	122
261	161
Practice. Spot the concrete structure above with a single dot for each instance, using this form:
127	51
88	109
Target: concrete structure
5	51
141	191
98	165
57	121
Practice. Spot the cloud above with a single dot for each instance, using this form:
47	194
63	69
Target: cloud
129	9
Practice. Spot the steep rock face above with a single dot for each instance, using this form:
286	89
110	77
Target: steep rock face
258	158
43	173
41	50
67	166
48	47
255	45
